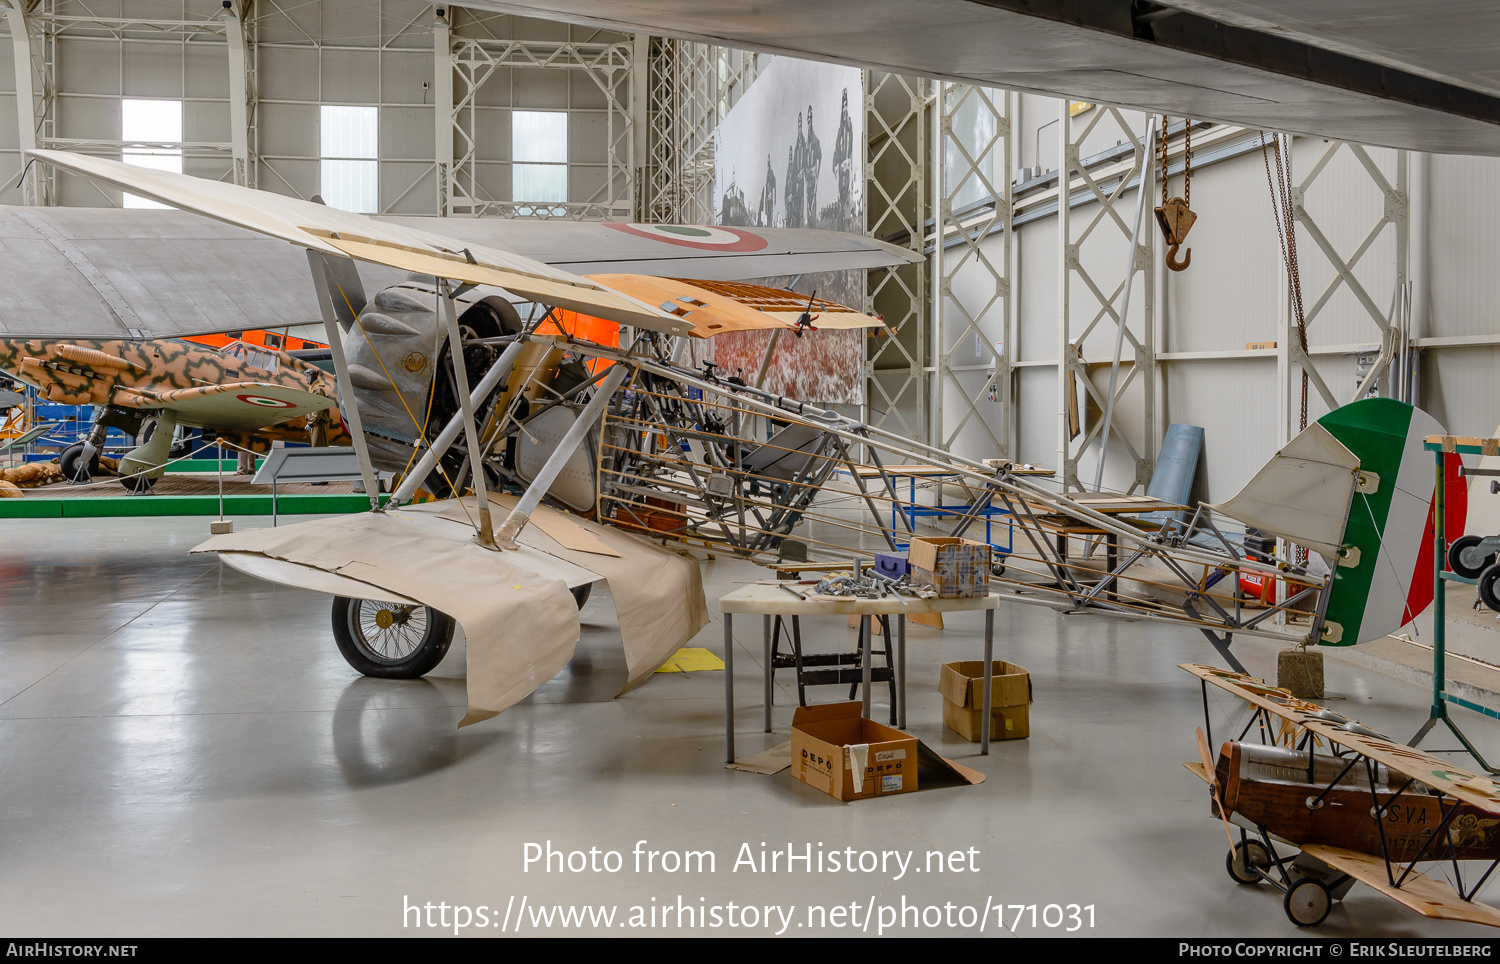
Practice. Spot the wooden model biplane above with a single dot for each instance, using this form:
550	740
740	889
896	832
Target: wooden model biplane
593	456
1351	804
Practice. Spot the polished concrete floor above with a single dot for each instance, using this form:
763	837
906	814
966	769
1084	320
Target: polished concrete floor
184	752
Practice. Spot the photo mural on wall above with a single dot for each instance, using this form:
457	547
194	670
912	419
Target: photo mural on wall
790	154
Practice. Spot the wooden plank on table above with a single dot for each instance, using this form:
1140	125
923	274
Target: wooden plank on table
1423	894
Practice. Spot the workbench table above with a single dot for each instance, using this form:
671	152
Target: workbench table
771	600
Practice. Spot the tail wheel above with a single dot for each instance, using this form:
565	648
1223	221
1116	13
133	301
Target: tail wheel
1307	902
138	484
1247	862
1456	560
390	640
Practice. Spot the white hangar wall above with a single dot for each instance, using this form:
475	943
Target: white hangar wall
300	57
1432	221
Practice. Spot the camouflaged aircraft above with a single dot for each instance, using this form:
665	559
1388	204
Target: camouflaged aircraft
247	395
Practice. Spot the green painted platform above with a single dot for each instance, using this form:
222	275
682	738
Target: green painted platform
32	507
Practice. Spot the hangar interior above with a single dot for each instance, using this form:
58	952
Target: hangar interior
187	752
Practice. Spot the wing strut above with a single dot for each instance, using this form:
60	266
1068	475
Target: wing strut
348	406
571	439
485	534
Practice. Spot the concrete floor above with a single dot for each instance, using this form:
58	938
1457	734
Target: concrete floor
185	753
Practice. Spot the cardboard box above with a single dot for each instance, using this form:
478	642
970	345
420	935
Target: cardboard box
832	743
962	686
849	757
955	568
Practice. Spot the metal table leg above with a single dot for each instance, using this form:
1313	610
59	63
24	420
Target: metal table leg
865	643
766	630
729	688
901	669
989	681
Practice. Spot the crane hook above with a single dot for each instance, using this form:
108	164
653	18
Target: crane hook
1172	261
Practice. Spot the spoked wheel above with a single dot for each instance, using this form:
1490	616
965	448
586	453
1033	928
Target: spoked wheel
1456	560
1307	902
1247	861
390	640
74	467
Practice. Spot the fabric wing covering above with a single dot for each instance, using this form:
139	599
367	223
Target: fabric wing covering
520	622
1302	493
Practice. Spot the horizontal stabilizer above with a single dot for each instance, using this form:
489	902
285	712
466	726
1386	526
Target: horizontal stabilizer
1302	493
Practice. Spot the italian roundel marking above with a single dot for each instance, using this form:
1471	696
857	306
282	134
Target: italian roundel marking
698	236
264	402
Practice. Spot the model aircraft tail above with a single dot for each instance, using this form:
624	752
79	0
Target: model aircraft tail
1357	487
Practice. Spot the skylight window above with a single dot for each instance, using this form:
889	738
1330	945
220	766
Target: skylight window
351	173
152	132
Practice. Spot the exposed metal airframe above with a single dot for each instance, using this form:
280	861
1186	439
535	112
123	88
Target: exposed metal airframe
678	461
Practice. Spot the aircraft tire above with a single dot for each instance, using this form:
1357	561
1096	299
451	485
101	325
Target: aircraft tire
1455	557
582	593
1307	902
73	467
1489	592
1245	860
410	644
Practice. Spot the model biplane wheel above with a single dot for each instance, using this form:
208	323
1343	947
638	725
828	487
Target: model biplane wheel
74	469
1456	560
1307	902
582	593
1248	861
390	640
1488	591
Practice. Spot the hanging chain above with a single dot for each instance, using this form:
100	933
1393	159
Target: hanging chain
1161	152
1187	161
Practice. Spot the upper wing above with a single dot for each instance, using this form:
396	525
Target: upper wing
113	273
242	405
1421	78
331	231
1425	768
672	250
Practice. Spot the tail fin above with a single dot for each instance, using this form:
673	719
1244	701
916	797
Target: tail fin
1387	581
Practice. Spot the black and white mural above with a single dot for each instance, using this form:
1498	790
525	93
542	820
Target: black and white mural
790	154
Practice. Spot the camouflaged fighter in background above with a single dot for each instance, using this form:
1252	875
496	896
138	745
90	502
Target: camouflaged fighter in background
245	394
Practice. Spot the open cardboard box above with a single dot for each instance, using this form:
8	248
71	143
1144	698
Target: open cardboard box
962	686
849	757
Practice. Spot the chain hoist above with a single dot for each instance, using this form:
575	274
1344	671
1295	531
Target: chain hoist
1175	215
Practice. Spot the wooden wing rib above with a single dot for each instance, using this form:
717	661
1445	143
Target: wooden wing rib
1423	894
1425	768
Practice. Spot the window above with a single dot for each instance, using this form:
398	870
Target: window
539	156
145	127
351	173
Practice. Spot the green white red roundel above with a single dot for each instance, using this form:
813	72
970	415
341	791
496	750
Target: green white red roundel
700	236
261	401
1392	526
